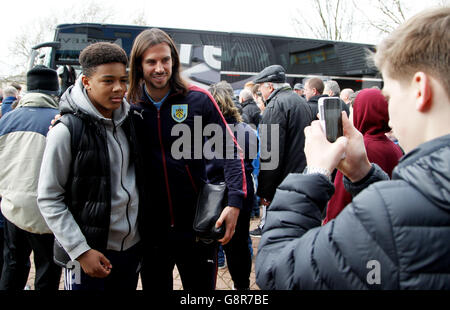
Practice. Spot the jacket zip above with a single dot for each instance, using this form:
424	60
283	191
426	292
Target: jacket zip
108	171
163	154
123	186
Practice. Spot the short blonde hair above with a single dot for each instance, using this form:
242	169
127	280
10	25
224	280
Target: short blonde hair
249	84
421	44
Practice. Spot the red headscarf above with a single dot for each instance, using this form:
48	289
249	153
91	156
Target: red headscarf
371	118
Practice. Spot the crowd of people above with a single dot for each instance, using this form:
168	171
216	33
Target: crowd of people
113	183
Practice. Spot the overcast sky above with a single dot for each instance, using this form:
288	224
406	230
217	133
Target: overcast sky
263	16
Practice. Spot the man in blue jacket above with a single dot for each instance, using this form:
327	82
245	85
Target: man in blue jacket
10	96
165	108
23	134
394	234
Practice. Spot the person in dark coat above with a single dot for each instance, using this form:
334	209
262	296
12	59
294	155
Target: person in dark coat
281	133
313	92
371	118
251	114
237	251
394	234
290	113
164	106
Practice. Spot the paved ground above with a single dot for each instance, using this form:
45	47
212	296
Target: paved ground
224	281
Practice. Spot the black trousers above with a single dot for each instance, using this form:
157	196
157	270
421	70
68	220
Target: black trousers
196	262
124	275
18	245
2	224
1	250
238	254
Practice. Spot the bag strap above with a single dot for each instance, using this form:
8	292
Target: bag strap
75	126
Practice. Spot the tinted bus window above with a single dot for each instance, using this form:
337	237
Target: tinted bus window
210	56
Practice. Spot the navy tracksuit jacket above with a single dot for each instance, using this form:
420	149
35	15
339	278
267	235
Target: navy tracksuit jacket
173	183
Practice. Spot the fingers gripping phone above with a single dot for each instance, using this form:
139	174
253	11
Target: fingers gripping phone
330	117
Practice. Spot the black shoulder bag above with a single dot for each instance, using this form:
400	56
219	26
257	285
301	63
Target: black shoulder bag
211	201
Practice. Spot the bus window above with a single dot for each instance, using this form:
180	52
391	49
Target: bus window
249	54
210	56
280	52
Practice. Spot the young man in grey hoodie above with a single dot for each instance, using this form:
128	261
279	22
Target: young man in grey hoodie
88	190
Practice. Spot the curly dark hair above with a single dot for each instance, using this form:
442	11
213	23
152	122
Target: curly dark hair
101	53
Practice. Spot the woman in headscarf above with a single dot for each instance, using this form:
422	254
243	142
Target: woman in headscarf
371	118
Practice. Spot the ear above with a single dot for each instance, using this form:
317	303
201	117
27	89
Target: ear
85	81
423	91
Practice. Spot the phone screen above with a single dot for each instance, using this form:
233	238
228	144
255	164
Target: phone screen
330	110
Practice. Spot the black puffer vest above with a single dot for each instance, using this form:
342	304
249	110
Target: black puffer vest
88	192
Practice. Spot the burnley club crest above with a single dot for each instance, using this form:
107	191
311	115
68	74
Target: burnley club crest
179	112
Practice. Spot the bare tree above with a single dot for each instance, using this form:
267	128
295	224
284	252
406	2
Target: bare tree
329	19
389	14
386	15
41	29
140	19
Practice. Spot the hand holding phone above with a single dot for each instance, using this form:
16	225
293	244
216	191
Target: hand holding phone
330	117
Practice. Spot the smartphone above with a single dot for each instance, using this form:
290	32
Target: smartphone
330	110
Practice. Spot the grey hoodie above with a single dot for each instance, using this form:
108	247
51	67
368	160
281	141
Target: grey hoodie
123	232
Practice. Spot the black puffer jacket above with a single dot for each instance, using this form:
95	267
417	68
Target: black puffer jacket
290	113
394	235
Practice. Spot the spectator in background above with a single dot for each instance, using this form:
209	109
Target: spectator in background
25	228
10	94
237	251
371	118
345	95
2	219
66	76
19	94
257	96
351	99
394	234
18	87
313	92
2	226
251	114
289	113
332	89
229	88
299	89
249	85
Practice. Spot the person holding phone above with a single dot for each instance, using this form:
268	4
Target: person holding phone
394	234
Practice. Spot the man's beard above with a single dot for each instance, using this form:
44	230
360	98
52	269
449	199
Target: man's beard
158	86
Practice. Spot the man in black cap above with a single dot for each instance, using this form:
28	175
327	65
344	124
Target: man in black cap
23	134
299	89
281	133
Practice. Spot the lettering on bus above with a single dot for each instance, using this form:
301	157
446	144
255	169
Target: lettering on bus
211	55
77	42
